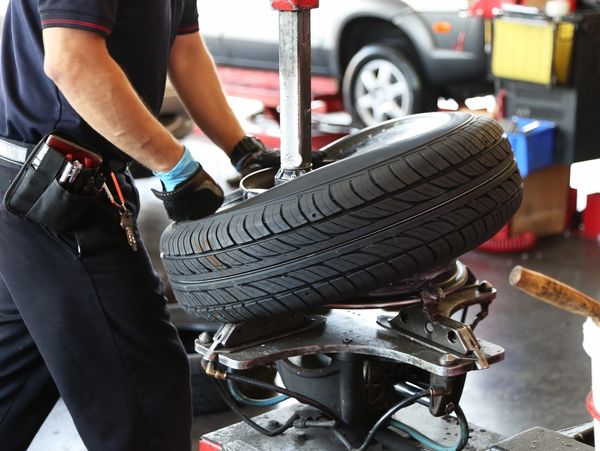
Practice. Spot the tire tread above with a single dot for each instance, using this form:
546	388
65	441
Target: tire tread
380	225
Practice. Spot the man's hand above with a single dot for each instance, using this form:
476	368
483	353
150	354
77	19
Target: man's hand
189	192
195	198
251	155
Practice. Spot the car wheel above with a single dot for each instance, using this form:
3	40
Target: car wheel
380	83
415	194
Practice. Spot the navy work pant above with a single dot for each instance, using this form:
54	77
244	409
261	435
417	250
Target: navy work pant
84	317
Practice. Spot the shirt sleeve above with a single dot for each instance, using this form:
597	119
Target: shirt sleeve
189	20
93	15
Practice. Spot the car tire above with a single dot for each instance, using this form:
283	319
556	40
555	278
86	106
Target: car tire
415	194
381	83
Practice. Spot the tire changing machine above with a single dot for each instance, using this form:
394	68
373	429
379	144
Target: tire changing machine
358	364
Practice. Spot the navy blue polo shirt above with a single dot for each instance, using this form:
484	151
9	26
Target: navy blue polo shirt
139	34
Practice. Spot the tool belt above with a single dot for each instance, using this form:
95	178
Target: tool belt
58	181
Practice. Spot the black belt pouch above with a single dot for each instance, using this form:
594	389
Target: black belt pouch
37	195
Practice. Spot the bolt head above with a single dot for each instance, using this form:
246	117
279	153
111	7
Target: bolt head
205	338
429	327
447	359
486	287
273	424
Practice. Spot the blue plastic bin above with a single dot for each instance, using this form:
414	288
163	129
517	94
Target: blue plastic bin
532	143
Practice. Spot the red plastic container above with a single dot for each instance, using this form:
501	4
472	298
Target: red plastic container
591	217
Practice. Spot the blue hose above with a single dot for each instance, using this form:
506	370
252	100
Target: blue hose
429	443
243	399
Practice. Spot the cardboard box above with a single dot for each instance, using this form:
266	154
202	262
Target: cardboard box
545	202
541	4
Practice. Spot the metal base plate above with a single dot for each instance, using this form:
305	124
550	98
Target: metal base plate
240	437
350	331
540	438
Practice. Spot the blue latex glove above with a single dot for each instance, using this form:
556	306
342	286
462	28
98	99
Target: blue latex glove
184	168
189	192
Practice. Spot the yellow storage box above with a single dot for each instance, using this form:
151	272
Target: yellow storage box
532	50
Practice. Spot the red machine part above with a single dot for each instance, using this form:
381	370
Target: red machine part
503	243
207	445
489	8
589	403
591	217
294	5
263	85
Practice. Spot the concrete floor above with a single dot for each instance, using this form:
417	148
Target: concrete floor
543	380
546	374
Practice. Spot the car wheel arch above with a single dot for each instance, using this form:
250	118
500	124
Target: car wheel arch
361	31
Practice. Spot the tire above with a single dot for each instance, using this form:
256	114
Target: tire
395	90
415	194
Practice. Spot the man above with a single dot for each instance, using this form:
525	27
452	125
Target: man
82	314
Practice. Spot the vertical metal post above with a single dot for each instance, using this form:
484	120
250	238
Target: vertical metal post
295	86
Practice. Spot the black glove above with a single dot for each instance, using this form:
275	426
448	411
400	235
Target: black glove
194	198
251	155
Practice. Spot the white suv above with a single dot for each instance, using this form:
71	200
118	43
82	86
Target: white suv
391	57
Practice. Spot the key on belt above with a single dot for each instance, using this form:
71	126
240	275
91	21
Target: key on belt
128	224
126	218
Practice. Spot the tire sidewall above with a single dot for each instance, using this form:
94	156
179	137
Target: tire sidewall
387	52
368	220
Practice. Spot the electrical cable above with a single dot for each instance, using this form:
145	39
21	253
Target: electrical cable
429	443
243	399
233	406
342	439
284	391
386	416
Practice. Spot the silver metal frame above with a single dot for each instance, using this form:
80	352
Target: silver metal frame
355	332
295	79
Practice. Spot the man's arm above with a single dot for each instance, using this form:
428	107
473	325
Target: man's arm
194	76
79	64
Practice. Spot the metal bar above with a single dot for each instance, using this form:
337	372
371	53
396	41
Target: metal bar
346	332
407	390
295	76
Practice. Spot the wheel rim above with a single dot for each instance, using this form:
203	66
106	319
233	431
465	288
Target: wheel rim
382	92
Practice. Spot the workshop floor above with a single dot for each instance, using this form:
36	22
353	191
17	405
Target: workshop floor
543	380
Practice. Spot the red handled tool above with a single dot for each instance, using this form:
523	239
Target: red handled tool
294	5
